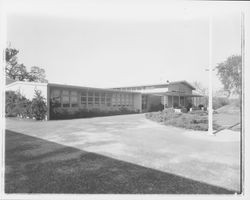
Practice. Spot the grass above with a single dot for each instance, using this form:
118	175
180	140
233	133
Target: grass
229	115
195	120
34	165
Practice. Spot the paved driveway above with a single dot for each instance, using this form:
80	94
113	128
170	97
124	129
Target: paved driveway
132	138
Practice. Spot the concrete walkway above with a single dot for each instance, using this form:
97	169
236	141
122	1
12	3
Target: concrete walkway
192	154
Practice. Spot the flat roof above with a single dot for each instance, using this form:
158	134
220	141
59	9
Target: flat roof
151	91
159	85
89	88
26	83
175	94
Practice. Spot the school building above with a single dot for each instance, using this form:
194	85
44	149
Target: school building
135	98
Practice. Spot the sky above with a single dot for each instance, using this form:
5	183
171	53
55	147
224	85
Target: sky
112	45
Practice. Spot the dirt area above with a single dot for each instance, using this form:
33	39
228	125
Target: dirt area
213	160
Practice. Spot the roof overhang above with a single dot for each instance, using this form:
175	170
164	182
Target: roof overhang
88	88
175	94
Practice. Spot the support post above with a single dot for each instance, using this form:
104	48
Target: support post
87	99
179	100
172	101
164	101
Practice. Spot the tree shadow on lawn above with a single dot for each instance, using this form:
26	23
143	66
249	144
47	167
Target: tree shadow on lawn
35	165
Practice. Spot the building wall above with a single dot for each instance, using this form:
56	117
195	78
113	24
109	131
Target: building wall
73	99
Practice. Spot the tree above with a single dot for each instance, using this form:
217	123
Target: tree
203	91
10	55
38	106
13	69
200	88
37	74
17	71
16	105
229	73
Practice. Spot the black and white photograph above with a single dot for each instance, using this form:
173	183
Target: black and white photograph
123	98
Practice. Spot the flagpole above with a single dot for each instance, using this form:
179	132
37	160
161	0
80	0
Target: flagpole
210	95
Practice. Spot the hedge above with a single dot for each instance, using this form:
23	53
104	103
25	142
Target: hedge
64	113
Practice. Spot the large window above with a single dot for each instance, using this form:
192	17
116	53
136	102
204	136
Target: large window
127	99
131	99
108	99
56	97
84	98
90	98
122	99
65	98
97	98
114	99
73	99
103	98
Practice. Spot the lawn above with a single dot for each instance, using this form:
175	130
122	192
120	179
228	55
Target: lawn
118	154
227	116
37	166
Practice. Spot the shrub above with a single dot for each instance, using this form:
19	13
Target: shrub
38	106
201	106
65	113
198	112
184	110
11	99
189	105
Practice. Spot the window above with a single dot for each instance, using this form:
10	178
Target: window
90	98
65	98
127	100
84	98
73	99
103	98
97	99
56	98
108	99
114	99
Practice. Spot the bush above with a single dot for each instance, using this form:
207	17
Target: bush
11	99
38	106
198	112
189	105
65	113
201	106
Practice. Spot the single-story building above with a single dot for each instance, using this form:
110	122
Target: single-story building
135	99
170	94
